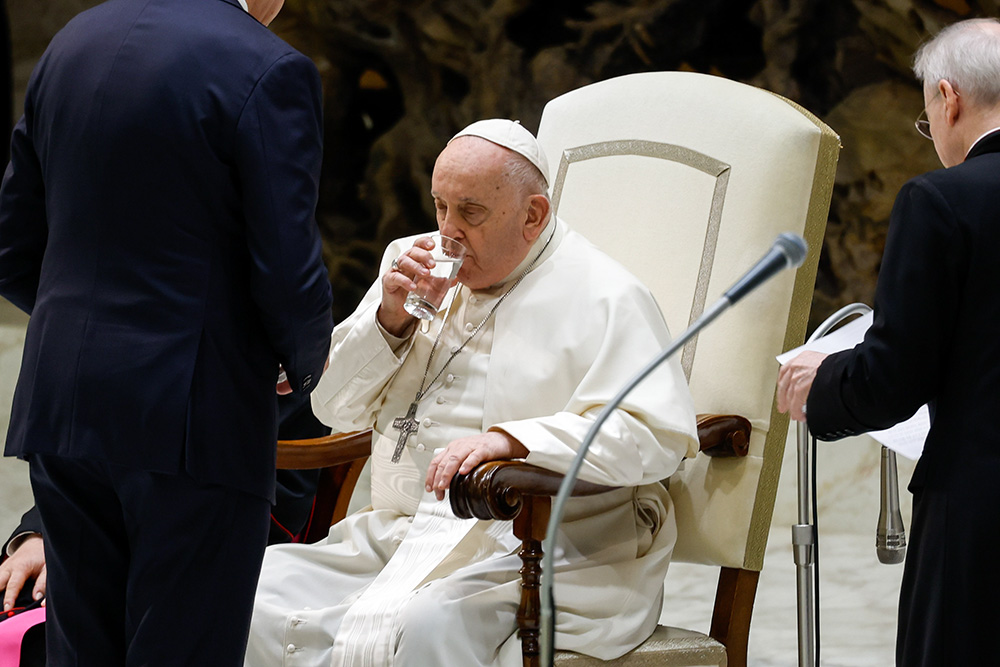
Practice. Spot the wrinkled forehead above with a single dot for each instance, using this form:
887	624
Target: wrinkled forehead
470	163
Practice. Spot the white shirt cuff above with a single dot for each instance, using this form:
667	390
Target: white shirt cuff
18	540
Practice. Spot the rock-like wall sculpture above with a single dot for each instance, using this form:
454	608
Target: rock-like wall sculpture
401	76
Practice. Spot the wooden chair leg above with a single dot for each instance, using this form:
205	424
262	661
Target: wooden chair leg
529	527
733	609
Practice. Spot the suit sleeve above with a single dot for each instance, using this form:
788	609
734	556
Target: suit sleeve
31	523
895	370
23	227
279	151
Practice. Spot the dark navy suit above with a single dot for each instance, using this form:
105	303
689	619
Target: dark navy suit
156	222
934	340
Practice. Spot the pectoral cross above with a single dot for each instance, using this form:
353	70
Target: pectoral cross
406	426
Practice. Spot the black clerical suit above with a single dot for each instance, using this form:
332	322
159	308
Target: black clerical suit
157	223
934	340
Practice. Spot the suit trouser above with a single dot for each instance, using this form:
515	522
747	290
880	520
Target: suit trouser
948	610
145	568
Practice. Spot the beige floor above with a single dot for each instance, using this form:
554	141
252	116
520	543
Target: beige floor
15	496
858	595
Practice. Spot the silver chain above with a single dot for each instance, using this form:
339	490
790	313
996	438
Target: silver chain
430	359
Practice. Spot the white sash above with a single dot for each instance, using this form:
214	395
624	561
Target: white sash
367	635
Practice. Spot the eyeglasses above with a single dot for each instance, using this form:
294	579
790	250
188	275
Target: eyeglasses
923	125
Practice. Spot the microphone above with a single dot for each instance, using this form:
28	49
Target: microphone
788	251
890	537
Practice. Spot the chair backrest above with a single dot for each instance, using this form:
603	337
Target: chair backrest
687	179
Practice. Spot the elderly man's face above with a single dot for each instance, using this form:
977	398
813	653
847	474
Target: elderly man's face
477	205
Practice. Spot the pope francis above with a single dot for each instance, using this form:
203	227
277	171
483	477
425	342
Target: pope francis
540	331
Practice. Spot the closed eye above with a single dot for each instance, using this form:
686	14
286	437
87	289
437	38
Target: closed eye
473	214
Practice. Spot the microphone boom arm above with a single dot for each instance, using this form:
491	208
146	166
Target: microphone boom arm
566	487
788	251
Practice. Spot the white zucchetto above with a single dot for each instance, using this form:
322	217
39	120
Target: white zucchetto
509	134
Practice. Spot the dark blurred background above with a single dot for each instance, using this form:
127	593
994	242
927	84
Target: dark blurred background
401	76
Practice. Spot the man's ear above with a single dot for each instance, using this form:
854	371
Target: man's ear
537	215
952	101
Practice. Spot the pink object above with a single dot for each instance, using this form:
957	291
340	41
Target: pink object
12	633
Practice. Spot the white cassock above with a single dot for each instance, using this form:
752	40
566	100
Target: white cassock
405	582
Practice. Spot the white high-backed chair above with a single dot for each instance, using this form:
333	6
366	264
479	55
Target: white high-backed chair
686	179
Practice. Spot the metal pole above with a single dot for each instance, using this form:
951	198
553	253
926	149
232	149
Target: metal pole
804	548
803	551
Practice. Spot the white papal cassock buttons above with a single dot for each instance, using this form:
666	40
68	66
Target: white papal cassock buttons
427	422
440	400
454	349
449	379
469	327
290	648
421	447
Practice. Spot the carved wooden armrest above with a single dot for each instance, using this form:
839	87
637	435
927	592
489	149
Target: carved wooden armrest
496	489
724	436
324	452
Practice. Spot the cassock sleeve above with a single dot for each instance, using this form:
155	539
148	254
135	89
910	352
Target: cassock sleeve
279	152
364	358
645	439
887	377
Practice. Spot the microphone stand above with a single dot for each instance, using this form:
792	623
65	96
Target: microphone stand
787	251
547	622
805	540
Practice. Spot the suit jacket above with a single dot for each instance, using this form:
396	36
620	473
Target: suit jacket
294	490
157	223
934	340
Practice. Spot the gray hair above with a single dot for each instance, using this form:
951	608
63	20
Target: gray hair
967	55
521	172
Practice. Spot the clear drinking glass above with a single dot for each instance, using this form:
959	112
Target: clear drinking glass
424	301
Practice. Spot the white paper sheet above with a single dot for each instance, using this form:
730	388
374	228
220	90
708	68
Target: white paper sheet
843	338
905	438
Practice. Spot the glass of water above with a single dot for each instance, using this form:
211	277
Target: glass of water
424	301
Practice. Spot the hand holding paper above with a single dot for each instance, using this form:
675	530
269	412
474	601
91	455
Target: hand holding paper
794	381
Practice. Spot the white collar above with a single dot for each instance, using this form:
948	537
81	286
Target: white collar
243	4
